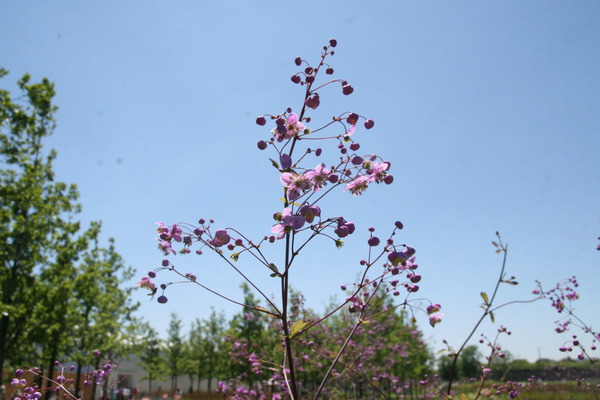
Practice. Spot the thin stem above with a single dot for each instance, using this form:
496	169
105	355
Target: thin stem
485	314
337	357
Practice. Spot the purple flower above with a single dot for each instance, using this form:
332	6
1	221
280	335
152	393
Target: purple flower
295	184
168	233
221	238
289	223
344	228
433	308
287	129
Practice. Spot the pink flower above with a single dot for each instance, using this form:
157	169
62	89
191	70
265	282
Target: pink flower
358	185
435	319
145	282
378	171
310	212
318	176
351	130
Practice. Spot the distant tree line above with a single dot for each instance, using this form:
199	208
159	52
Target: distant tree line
388	356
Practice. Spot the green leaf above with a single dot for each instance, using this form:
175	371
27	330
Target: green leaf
235	256
492	317
484	296
273	268
275	164
297	327
339	243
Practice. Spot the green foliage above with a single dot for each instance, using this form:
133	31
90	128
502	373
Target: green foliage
53	276
174	351
206	358
469	362
151	356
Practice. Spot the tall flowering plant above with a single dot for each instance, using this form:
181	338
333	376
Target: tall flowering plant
388	270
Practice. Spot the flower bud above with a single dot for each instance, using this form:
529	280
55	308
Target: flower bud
369	123
298	61
352	118
333	42
373	241
162	299
357	160
347	89
261	121
261	145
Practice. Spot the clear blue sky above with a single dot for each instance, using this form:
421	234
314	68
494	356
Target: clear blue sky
488	111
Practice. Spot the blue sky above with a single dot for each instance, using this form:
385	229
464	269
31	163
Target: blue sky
488	112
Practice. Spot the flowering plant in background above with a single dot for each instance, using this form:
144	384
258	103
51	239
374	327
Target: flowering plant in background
561	297
25	383
389	268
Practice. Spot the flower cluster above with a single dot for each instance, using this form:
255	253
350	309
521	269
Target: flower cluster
23	390
305	181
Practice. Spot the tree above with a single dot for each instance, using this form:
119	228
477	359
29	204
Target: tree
32	210
52	275
103	315
469	362
206	348
175	351
151	357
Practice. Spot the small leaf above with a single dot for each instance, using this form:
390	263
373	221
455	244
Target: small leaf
512	282
275	164
339	243
495	244
274	274
264	310
498	251
492	317
297	327
484	296
442	351
235	256
273	268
